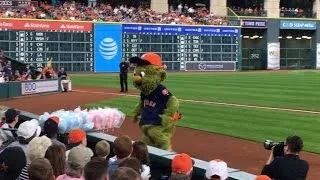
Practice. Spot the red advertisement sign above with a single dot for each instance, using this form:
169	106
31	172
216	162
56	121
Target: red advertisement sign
40	25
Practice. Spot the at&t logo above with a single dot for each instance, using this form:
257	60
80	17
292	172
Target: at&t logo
108	48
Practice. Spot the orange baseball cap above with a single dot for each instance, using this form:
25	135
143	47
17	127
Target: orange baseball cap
76	135
182	164
56	119
263	177
148	59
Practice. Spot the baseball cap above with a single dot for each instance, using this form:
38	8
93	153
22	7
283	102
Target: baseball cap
56	119
10	114
12	161
50	126
217	167
79	156
182	163
147	59
263	177
28	128
76	135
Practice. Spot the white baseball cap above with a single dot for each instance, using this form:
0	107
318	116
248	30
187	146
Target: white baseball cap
217	167
28	128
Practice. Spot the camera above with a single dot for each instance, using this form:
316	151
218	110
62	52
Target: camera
278	147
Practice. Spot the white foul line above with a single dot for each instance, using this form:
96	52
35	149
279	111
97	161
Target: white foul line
212	102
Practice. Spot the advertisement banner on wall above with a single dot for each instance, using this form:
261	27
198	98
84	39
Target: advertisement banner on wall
40	25
210	66
36	87
303	25
107	47
260	24
318	56
274	56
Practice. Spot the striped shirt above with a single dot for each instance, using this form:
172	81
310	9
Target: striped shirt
24	173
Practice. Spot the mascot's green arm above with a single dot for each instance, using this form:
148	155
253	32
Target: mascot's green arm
137	111
171	109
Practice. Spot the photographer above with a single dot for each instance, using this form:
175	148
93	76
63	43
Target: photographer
289	166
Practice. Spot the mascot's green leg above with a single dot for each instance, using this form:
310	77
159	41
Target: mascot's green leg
145	136
159	137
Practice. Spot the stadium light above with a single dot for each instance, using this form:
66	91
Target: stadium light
289	37
255	36
305	37
298	38
252	37
280	37
309	37
245	37
261	37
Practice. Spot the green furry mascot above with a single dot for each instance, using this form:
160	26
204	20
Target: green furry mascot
157	110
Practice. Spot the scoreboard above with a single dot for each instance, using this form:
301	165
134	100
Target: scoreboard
179	45
69	44
99	47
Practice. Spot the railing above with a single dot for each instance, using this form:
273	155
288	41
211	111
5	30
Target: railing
246	12
297	14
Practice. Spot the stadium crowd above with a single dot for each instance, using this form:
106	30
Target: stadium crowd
34	153
120	13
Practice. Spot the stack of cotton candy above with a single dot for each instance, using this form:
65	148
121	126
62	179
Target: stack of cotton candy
94	119
69	120
106	118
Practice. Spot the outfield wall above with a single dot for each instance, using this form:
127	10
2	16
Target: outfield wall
160	159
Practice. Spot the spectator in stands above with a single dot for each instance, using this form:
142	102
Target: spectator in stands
102	149
26	132
217	170
125	173
2	60
182	164
50	129
11	119
56	154
140	151
78	157
8	72
65	80
40	169
16	76
12	160
37	148
133	163
26	73
179	177
122	147
76	137
96	169
289	166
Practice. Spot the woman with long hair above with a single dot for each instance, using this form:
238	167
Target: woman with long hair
56	154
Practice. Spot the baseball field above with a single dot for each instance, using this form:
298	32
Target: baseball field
249	105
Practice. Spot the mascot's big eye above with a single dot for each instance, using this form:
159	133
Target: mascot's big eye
142	74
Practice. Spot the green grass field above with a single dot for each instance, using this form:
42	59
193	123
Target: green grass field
294	90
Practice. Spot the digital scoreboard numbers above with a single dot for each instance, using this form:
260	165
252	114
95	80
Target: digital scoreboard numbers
179	45
68	44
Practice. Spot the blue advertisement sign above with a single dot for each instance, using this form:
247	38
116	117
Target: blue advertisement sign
107	47
303	25
179	30
253	23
